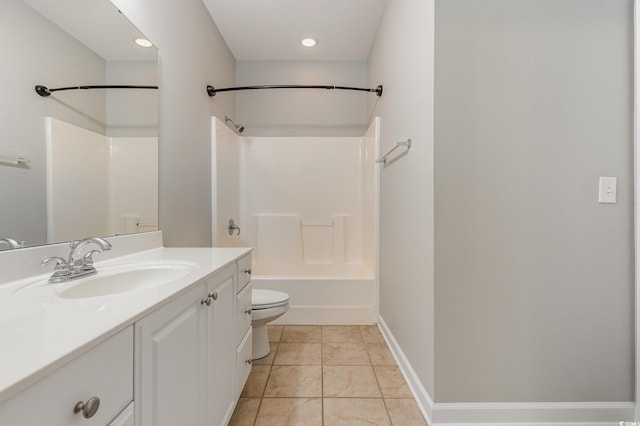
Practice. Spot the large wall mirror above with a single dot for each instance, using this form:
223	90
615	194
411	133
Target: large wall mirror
90	156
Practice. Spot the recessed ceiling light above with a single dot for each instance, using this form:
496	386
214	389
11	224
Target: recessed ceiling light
309	42
142	42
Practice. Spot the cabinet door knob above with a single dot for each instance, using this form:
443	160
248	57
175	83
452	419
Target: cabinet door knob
247	271
248	312
206	301
248	361
214	295
89	408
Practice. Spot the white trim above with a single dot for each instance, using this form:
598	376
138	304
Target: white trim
423	399
636	36
508	413
534	413
214	182
532	424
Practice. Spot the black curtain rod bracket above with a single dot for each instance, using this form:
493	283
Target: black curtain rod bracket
45	91
211	91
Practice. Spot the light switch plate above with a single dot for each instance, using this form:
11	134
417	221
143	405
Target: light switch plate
607	190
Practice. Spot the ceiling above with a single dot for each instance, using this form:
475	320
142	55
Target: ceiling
98	24
261	30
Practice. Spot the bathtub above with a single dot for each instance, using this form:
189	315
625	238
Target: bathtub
314	233
323	294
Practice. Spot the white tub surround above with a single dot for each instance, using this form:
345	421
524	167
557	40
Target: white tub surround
118	189
306	259
309	208
40	332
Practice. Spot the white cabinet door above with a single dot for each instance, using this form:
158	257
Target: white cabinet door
243	362
170	362
125	418
244	272
243	313
103	374
221	347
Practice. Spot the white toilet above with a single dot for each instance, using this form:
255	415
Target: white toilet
266	306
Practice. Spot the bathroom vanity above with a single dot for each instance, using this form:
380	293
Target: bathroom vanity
171	349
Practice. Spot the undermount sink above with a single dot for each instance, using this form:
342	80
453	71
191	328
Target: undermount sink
116	279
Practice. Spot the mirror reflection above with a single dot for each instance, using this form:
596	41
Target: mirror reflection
83	162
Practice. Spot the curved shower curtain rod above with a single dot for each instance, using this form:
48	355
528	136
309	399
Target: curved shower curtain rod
212	90
45	91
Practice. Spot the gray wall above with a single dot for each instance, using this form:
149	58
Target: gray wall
533	289
534	278
402	60
132	112
302	112
192	54
34	51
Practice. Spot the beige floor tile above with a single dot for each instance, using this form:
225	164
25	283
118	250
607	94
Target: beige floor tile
274	332
371	334
349	382
301	334
298	354
341	333
345	354
391	381
404	412
355	412
290	411
245	412
294	381
268	360
380	354
352	368
256	381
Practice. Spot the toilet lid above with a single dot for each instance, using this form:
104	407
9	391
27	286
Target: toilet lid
262	299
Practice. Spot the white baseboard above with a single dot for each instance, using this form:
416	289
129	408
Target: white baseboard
327	315
510	413
425	403
534	413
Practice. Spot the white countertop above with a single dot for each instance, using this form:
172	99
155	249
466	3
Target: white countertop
40	333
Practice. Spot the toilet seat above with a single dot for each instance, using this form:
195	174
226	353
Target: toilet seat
265	299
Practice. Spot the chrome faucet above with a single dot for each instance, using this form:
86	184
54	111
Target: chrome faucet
76	261
78	265
11	243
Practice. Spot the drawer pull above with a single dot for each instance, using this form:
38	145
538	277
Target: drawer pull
249	361
247	271
214	295
206	301
248	312
89	408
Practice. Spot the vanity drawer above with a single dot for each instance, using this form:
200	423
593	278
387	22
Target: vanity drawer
243	312
244	272
105	372
243	361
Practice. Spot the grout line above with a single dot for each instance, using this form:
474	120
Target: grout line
375	374
322	365
264	389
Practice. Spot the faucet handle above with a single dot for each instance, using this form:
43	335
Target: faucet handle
87	260
61	270
60	262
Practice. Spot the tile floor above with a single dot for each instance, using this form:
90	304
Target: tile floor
326	375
